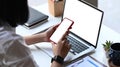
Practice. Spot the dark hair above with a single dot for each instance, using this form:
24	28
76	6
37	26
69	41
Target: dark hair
14	12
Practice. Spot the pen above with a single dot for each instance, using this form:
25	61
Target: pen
93	63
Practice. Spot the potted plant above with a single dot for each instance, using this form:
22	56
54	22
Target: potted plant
106	46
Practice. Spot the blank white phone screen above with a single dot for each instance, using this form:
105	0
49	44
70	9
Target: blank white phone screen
61	30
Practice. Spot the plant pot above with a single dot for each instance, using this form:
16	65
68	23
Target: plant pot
107	54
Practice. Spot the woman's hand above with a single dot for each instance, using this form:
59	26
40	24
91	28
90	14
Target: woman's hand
49	32
40	37
62	47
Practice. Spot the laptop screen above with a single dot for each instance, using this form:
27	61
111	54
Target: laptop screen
87	20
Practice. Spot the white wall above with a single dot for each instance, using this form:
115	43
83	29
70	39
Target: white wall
36	2
111	9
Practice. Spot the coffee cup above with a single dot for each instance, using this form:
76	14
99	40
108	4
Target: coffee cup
114	54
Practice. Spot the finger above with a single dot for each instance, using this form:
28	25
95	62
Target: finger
67	32
64	36
62	42
51	28
55	26
52	43
67	43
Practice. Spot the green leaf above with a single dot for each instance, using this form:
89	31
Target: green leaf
107	45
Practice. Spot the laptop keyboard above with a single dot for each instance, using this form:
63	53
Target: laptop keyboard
76	46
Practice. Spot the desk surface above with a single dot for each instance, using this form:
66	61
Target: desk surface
106	34
51	21
43	59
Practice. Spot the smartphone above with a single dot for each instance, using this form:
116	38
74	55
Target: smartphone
64	26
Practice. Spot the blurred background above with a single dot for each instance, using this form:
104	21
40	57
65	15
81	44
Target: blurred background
110	8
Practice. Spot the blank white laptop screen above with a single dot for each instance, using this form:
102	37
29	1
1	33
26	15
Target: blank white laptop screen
86	20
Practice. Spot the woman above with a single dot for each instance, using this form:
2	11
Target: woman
13	50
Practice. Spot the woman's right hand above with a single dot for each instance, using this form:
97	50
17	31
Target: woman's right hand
62	47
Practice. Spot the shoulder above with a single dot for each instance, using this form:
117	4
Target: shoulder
13	43
6	36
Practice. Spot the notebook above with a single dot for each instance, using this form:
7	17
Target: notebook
84	34
36	18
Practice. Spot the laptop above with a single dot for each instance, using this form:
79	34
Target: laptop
84	34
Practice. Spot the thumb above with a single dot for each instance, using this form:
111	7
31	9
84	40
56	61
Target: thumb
53	44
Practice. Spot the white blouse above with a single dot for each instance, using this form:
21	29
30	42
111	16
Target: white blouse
13	49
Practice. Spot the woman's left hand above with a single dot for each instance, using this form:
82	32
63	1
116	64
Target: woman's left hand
49	32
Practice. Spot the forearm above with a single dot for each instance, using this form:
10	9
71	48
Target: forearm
36	38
